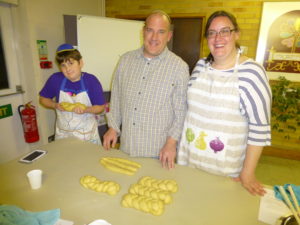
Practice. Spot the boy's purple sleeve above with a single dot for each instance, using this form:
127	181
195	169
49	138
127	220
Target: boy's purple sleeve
48	90
96	92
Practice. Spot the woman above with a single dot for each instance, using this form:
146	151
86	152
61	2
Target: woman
228	118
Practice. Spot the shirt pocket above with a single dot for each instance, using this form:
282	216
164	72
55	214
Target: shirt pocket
161	93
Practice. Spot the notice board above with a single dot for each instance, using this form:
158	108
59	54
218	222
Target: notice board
101	41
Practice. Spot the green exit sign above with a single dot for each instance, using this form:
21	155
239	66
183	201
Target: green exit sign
5	111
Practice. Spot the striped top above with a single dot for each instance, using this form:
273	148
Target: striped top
148	101
255	98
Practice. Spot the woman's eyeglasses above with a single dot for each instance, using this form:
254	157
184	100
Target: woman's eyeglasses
224	32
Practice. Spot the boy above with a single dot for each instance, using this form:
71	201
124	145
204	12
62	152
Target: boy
76	96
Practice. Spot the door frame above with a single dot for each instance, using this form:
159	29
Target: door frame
175	15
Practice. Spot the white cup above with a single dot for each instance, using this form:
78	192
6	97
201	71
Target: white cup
35	178
99	222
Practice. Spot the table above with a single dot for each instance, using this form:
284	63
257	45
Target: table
202	198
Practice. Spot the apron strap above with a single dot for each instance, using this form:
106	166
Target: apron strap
82	86
63	84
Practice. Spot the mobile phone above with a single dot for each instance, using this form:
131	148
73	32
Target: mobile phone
32	156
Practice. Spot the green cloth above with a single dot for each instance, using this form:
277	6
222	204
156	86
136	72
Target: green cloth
13	215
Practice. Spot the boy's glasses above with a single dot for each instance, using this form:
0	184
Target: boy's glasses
224	32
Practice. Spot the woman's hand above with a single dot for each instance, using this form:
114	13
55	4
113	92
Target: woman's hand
247	175
251	184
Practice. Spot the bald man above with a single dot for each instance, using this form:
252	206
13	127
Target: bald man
148	98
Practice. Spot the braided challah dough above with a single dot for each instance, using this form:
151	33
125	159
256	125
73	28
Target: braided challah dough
70	106
91	182
143	203
151	192
150	195
120	165
166	185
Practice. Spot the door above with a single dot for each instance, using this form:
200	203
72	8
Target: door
187	39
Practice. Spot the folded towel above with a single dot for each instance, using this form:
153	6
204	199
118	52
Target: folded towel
296	190
13	215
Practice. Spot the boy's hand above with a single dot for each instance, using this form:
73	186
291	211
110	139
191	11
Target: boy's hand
73	107
59	107
78	110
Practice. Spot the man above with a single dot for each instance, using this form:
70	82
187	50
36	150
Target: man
148	96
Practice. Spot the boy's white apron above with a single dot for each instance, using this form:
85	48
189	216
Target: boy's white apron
214	143
70	124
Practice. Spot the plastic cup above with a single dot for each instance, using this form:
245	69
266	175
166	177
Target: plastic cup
35	178
99	222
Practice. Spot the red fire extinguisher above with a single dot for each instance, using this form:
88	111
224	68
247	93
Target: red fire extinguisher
28	119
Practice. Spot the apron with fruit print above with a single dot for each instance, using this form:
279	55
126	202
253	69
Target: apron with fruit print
214	137
69	124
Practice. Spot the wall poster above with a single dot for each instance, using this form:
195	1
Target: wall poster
278	48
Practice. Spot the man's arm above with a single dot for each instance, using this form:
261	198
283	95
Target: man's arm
167	154
114	116
179	103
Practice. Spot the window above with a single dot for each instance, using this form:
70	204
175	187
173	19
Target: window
9	77
3	71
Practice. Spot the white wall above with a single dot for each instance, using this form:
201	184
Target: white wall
36	20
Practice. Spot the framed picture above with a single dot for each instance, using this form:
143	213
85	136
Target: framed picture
278	48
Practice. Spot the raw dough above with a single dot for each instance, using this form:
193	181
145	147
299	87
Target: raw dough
91	182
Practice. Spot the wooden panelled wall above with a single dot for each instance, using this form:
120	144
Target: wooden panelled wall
248	14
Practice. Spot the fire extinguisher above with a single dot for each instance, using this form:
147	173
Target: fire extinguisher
28	119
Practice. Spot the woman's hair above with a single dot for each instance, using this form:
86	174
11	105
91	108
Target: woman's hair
65	56
216	14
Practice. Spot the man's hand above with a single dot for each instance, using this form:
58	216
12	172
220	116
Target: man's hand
167	154
110	139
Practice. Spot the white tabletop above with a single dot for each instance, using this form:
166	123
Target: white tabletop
202	198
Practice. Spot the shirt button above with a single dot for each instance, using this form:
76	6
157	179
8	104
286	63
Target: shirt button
133	124
143	78
139	93
134	108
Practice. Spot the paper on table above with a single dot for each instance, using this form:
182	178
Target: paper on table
99	222
271	209
64	222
